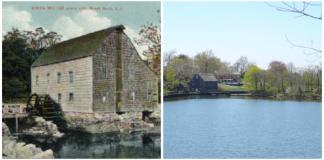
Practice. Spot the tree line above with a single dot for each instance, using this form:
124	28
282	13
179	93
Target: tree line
19	50
179	68
284	79
278	79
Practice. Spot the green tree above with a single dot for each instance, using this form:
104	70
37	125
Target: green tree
18	54
252	78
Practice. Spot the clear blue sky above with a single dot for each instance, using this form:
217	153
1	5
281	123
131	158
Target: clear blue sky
234	29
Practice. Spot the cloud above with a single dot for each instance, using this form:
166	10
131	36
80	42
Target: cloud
17	19
81	23
67	27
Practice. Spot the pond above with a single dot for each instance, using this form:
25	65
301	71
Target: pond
242	128
83	145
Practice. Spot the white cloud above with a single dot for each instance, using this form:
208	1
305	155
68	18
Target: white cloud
17	19
81	23
67	27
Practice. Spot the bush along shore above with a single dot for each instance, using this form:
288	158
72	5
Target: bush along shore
244	94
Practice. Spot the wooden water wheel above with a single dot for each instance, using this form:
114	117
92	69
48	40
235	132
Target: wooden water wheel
43	105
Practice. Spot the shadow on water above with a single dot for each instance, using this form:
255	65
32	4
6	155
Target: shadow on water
85	145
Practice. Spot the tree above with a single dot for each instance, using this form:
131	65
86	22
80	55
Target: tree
19	52
278	72
167	57
241	65
207	62
301	9
150	35
252	78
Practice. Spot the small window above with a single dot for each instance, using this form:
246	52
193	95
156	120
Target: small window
59	97
71	97
58	77
104	99
37	78
48	77
131	95
148	91
131	73
71	76
104	71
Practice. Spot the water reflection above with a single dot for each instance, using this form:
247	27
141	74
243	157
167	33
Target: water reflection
83	145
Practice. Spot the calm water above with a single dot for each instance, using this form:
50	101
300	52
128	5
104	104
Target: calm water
77	145
242	128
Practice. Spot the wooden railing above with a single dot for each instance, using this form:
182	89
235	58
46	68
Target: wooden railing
12	110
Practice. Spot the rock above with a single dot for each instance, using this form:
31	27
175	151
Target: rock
39	120
42	127
25	151
44	155
5	130
19	150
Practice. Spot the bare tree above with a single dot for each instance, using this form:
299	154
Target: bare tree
241	65
167	57
301	9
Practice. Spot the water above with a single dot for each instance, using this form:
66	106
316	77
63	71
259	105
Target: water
82	145
242	128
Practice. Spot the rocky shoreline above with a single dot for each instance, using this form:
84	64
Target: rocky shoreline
12	149
98	123
113	123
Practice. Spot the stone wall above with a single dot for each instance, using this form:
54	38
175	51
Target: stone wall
81	87
139	83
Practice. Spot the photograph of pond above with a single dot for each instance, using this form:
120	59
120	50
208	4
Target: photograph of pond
242	80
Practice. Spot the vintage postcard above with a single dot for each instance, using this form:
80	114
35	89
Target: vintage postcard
81	80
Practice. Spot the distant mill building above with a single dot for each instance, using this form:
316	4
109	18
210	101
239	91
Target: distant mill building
97	72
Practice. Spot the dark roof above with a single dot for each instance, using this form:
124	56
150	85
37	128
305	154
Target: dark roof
208	77
79	47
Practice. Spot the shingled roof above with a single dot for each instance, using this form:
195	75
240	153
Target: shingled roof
75	48
208	77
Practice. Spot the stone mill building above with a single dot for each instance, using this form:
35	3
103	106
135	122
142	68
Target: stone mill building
97	72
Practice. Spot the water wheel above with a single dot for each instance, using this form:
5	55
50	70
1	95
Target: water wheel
43	105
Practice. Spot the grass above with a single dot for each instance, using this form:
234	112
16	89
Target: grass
224	87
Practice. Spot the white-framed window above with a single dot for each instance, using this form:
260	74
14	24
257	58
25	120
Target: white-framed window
71	76
37	79
48	77
131	95
71	96
59	98
58	77
148	91
104	97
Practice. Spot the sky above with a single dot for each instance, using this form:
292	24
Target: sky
72	19
234	29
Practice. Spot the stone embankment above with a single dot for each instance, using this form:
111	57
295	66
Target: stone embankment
13	149
112	122
41	127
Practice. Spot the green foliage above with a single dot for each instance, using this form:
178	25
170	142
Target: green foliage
252	78
17	57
